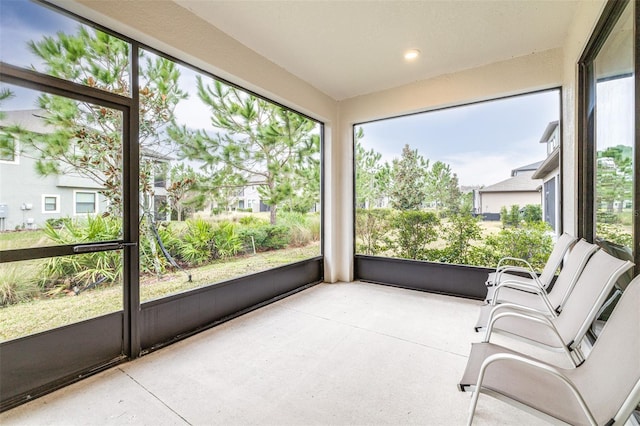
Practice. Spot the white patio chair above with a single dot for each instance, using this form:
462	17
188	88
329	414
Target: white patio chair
604	390
508	265
566	331
534	297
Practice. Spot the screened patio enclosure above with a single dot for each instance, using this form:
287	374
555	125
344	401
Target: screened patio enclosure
111	174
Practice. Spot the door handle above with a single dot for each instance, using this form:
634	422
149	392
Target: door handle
89	248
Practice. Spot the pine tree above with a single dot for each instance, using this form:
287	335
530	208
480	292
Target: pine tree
257	142
408	180
85	138
442	187
372	176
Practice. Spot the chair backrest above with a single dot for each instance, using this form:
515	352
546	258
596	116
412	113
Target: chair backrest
555	258
588	294
621	252
612	370
571	270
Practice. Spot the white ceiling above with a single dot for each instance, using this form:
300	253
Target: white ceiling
351	48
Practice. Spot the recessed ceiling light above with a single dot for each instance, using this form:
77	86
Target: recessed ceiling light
411	54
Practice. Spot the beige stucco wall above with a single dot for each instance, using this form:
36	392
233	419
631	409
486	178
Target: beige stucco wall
161	25
492	202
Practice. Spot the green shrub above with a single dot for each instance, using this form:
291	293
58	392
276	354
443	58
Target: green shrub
414	231
314	223
198	242
58	222
607	217
86	270
510	217
226	242
264	237
299	232
614	233
460	230
152	259
14	286
532	242
532	213
372	230
252	220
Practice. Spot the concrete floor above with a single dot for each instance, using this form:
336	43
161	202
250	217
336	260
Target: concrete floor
335	354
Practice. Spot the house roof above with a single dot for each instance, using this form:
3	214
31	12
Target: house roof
520	183
28	119
548	131
528	168
551	163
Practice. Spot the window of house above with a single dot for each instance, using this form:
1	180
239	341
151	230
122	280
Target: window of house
7	149
51	204
457	185
85	202
160	174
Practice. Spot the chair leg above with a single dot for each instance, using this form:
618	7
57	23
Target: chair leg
474	403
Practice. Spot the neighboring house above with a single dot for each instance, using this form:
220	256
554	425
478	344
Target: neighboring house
248	198
475	197
520	189
549	173
159	204
28	200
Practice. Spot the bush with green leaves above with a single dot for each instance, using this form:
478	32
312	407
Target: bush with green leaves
314	225
510	217
532	242
87	270
414	230
226	241
152	259
58	222
251	221
15	287
614	233
607	217
372	231
204	241
264	237
197	242
532	213
299	232
460	230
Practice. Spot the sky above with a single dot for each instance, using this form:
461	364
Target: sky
482	142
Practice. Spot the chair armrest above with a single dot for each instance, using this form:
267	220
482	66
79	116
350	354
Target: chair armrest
543	368
511	307
500	269
533	288
507	269
530	315
513	259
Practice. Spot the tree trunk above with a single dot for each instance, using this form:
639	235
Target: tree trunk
272	217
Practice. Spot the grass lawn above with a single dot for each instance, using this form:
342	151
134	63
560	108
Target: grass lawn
44	314
10	240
